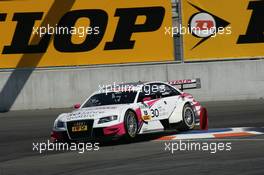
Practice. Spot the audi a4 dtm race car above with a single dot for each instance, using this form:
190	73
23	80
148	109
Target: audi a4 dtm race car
128	110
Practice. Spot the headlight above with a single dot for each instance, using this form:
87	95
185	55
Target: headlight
107	119
60	124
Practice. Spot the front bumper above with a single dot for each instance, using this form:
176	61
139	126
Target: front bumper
114	131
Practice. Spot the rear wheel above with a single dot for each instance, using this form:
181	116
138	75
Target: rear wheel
131	125
188	118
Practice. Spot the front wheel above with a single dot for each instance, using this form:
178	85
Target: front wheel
188	118
131	125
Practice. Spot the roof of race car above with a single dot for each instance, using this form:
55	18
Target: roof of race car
133	86
124	86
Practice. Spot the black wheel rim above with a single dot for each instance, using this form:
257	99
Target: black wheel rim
189	116
131	125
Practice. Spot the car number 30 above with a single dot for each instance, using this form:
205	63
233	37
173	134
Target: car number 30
154	112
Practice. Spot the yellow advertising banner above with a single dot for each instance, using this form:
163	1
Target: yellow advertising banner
215	30
48	33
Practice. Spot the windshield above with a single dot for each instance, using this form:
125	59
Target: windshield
111	98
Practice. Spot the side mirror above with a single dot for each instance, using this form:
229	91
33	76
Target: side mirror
77	106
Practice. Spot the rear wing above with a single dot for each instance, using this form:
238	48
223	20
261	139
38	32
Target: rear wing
186	84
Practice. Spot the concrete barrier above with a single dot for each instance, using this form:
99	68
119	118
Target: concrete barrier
227	80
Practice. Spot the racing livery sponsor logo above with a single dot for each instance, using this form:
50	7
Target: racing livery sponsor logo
234	27
79	126
146	117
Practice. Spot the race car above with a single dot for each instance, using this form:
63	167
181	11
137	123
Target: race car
128	110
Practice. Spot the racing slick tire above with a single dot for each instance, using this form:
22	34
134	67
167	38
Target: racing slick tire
131	125
188	118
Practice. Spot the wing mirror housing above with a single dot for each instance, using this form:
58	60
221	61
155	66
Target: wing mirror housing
77	106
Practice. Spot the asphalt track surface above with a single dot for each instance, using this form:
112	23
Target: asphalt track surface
19	129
